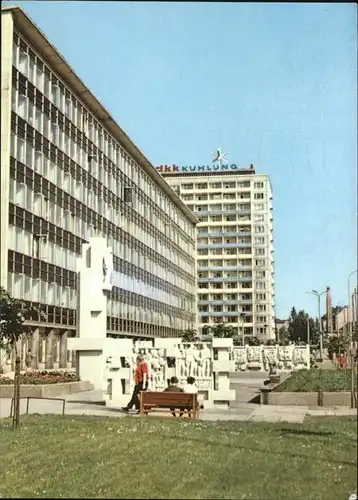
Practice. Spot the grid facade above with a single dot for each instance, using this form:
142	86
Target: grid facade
234	248
68	178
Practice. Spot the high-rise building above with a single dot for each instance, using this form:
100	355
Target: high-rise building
235	250
69	172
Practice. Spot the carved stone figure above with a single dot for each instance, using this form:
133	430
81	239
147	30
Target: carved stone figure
206	361
270	357
107	269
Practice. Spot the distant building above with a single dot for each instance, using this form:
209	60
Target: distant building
235	243
341	317
281	323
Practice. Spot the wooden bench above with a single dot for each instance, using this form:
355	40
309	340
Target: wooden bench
173	402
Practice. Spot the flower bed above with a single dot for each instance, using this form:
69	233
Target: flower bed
42	378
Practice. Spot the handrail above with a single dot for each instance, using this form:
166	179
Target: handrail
33	397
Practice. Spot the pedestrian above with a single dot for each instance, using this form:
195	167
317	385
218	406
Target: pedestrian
342	361
141	383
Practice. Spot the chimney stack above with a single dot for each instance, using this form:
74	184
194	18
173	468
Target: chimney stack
329	317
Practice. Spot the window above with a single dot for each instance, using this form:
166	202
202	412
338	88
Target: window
259	229
259	240
258	185
23	63
259	251
23	106
258	196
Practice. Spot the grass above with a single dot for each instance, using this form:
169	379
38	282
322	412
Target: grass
325	380
88	457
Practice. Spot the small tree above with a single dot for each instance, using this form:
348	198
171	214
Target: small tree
206	330
337	345
13	314
190	335
220	330
283	336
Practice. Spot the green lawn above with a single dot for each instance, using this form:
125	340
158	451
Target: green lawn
325	380
87	457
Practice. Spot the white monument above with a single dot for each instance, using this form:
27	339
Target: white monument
94	278
108	363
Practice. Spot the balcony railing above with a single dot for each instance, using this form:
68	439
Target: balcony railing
222	212
225	268
218	279
220	313
224	234
219	302
223	245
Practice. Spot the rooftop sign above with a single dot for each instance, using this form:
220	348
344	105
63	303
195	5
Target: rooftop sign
219	163
175	169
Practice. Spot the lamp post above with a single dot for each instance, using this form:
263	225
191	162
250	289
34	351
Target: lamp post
349	305
318	295
350	318
308	330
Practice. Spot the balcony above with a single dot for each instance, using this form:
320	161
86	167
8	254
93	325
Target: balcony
221	313
223	245
225	268
219	279
224	234
222	212
219	302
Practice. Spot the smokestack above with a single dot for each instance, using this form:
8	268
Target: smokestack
329	317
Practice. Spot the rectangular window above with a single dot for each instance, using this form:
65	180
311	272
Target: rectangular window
23	63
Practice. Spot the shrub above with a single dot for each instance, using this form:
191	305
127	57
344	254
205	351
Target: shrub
41	378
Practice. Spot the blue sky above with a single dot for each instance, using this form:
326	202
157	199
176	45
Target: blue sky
270	84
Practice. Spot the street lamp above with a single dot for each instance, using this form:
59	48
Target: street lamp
318	295
350	318
349	305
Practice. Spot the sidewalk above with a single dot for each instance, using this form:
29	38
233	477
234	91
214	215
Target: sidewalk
90	404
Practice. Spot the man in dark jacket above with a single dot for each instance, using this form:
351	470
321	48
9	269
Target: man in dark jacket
173	387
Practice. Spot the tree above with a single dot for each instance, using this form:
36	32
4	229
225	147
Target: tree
283	336
297	328
190	335
220	330
337	344
13	315
206	330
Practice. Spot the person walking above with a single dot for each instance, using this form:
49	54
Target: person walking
141	376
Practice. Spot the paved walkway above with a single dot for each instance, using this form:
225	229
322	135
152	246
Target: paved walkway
246	385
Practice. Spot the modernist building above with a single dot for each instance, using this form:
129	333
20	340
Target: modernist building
69	172
234	246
